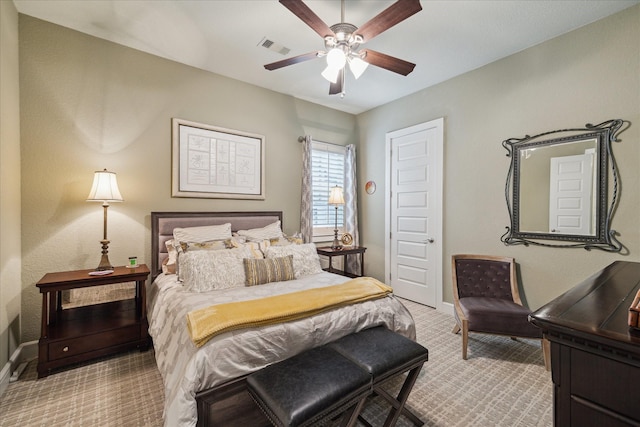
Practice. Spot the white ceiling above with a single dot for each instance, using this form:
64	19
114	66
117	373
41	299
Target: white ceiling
445	39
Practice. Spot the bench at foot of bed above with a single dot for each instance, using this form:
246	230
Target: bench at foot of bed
334	380
313	386
386	355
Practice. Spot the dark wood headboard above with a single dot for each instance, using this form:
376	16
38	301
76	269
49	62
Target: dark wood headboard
163	223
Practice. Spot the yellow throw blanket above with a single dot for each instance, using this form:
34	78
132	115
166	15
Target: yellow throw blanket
205	323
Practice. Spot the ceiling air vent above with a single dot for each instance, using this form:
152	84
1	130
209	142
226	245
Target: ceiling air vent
271	45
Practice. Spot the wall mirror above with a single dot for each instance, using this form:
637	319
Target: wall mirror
557	188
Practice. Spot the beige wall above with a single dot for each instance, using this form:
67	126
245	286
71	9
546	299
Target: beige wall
88	104
586	76
10	258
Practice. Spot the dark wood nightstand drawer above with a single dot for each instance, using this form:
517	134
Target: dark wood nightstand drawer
75	346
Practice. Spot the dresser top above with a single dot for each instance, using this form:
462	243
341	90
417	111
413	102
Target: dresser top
597	308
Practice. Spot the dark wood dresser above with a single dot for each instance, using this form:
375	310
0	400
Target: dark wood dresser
595	356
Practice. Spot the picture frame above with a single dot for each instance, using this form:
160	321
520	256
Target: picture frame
216	163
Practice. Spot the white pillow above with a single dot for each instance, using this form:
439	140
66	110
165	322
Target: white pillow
203	271
305	258
182	248
202	234
271	231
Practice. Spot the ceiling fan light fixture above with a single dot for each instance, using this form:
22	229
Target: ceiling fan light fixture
357	66
336	58
342	41
331	74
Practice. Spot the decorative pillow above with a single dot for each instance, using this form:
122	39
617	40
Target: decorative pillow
203	271
305	258
169	264
212	245
271	231
257	248
261	271
168	268
202	234
182	247
286	240
238	238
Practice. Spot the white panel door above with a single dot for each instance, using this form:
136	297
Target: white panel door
414	212
570	191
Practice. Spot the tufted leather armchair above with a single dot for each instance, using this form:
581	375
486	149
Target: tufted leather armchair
486	300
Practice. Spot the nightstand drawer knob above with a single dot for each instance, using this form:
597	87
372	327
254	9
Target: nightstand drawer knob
65	349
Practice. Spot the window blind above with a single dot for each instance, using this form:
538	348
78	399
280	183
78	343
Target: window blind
328	171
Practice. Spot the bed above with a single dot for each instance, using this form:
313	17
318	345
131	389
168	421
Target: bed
205	385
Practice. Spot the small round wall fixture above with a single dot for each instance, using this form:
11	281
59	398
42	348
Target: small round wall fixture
370	187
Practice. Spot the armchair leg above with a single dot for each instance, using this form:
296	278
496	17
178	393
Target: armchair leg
465	341
456	329
546	353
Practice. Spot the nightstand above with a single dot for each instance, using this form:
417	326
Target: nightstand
78	334
347	250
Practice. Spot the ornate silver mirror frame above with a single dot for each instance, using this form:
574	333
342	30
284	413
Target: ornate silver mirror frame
557	188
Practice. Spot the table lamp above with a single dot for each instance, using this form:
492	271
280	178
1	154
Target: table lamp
336	199
105	190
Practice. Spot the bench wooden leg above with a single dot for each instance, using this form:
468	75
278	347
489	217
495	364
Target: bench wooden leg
398	407
393	402
350	418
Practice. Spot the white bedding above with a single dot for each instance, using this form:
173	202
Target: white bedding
186	369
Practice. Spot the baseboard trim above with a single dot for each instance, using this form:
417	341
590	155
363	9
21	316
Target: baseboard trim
446	307
25	352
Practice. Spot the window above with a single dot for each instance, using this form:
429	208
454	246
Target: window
327	162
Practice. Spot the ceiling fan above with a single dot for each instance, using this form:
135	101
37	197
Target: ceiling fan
342	42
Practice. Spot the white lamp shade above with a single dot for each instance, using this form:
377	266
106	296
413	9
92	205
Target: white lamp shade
336	197
357	66
105	188
331	74
336	58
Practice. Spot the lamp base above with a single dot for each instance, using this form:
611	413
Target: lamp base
105	264
336	245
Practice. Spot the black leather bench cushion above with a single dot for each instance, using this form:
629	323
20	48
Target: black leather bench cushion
383	353
307	387
500	316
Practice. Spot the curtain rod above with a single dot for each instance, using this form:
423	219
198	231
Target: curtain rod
301	139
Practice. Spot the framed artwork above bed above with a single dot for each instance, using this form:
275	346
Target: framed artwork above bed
216	163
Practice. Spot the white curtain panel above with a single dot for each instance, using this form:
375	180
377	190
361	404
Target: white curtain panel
351	205
306	203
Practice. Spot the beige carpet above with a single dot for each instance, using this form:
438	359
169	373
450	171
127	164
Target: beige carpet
503	383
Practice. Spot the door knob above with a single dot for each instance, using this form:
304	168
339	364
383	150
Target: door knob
429	240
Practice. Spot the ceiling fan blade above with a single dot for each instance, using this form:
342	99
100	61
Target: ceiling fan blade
387	62
292	60
397	12
302	11
336	88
